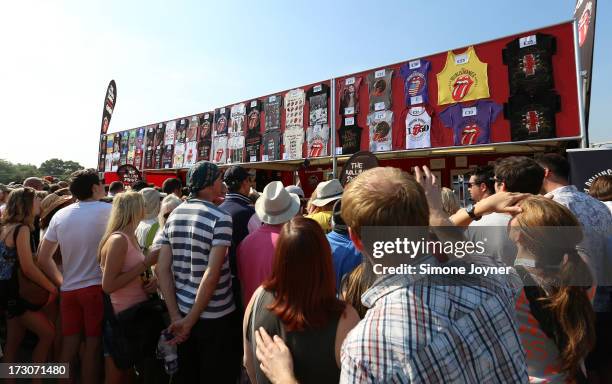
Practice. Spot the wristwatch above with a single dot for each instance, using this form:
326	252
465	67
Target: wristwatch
470	211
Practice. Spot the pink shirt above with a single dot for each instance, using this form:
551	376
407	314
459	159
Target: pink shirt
133	292
254	257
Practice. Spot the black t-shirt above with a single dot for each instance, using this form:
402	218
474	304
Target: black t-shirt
532	117
272	110
317	99
271	142
149	148
253	145
221	120
253	110
204	149
350	138
167	156
205	126
529	61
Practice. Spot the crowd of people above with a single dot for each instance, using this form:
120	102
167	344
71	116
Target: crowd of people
216	282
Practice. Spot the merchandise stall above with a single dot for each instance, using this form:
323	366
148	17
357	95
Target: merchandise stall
452	111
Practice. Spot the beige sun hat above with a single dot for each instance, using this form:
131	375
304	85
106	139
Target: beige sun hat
276	205
327	192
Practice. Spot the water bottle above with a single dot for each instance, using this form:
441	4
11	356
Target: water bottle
167	353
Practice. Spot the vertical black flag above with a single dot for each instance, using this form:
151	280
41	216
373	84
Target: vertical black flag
107	112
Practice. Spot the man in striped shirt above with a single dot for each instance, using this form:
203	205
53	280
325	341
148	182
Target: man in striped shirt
194	276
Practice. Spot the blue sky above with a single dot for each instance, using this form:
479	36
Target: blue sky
175	58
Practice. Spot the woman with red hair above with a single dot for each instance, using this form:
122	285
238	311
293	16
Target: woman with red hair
298	303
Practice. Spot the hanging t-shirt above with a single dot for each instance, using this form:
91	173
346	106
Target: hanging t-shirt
235	146
529	61
170	134
139	153
271	142
317	100
415	81
471	124
253	145
238	113
219	150
349	95
181	131
349	136
191	154
532	117
221	120
179	155
380	124
463	78
149	148
204	136
294	108
168	156
159	154
272	106
253	111
379	88
317	138
204	149
192	129
293	139
124	147
418	128
131	146
160	133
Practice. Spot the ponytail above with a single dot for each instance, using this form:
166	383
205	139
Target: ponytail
572	309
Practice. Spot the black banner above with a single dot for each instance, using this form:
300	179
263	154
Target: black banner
357	164
584	14
588	164
107	112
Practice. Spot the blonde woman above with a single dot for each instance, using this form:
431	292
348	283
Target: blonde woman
168	205
122	264
16	254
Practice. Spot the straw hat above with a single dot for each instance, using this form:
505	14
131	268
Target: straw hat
276	205
327	192
51	202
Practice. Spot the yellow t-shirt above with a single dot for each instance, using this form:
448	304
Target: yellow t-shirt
323	218
463	78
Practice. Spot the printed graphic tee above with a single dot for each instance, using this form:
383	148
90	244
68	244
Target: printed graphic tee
170	134
415	74
272	106
349	136
349	95
463	78
418	128
294	108
149	148
192	129
381	124
253	146
219	150
293	139
191	154
181	131
253	111
235	146
471	124
529	61
204	136
379	88
237	116
317	138
168	156
272	142
179	155
532	117
221	121
317	100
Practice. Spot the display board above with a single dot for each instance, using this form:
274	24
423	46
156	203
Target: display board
516	89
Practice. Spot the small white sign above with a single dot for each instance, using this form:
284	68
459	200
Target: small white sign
349	81
317	88
264	157
379	115
379	106
271	99
338	150
349	121
206	115
465	112
285	156
461	59
253	159
380	73
527	41
416	100
253	103
349	111
222	111
414	64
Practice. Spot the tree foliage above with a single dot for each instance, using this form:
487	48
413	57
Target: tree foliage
10	172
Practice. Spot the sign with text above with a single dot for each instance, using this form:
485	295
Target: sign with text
128	174
356	165
586	165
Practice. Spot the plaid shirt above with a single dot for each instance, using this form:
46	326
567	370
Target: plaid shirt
438	329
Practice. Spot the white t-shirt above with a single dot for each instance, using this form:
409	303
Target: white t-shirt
492	229
418	123
78	229
293	138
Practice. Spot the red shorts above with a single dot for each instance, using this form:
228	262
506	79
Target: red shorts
82	309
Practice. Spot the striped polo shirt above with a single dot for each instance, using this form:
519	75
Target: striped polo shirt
192	229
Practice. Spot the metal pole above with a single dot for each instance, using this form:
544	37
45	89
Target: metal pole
332	128
583	134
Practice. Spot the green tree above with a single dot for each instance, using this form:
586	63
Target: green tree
10	172
59	168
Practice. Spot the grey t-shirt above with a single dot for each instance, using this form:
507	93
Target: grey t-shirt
492	229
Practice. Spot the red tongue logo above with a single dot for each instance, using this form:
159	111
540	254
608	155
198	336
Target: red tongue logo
583	25
316	148
462	87
219	155
469	134
416	130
